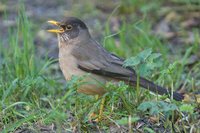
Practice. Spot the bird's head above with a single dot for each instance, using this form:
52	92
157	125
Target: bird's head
70	29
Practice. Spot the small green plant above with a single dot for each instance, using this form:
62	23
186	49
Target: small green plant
187	108
125	120
145	62
156	107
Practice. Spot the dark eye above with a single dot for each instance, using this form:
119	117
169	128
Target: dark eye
69	27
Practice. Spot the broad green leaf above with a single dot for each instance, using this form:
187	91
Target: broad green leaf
144	70
154	56
125	121
133	61
145	54
187	108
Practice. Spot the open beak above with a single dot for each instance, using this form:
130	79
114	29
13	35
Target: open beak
61	30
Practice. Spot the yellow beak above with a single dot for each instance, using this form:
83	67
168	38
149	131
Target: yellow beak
55	30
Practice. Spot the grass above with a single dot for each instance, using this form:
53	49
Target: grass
31	96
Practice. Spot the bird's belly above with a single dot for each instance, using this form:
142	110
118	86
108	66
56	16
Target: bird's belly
69	68
92	84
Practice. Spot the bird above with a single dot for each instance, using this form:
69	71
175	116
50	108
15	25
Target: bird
80	54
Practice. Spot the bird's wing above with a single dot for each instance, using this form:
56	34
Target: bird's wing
93	58
108	70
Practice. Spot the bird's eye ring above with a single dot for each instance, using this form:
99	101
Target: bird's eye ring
69	27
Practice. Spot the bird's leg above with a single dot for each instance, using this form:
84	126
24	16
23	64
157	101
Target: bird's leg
100	115
101	108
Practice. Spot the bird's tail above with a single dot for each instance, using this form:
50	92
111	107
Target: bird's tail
158	89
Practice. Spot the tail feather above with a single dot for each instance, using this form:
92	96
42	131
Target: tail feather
158	89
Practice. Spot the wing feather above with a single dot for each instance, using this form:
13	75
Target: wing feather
100	62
